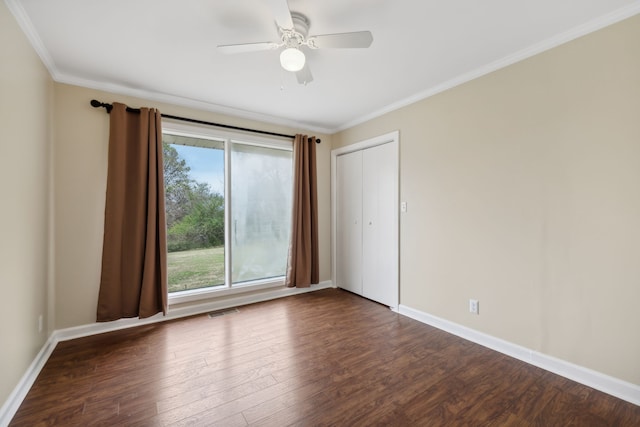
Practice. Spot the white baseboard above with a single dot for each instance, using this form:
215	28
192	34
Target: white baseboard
13	402
597	380
179	312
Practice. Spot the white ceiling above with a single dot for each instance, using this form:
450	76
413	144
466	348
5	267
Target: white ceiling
165	50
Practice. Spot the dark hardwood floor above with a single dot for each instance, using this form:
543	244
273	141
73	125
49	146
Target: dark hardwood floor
323	358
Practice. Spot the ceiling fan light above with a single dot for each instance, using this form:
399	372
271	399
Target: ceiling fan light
292	59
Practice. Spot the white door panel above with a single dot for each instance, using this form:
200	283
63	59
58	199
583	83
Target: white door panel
380	235
349	222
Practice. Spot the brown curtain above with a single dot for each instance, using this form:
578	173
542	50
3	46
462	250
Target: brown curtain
134	269
302	263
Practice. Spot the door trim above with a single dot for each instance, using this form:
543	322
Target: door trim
392	138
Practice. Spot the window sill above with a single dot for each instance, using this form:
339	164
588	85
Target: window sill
182	297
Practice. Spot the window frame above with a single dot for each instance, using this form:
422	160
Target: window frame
228	138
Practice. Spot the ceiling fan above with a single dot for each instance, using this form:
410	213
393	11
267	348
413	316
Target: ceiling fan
293	28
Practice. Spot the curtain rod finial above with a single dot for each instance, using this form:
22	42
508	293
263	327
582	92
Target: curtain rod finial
97	104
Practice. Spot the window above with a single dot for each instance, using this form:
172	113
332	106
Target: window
261	211
228	209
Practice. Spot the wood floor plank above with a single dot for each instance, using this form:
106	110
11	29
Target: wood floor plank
213	395
188	416
327	358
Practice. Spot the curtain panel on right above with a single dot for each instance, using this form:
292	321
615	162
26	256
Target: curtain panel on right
302	262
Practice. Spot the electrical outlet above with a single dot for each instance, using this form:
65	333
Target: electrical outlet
474	306
40	323
403	206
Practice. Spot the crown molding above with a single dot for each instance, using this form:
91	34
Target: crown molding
26	25
550	43
21	16
187	102
15	7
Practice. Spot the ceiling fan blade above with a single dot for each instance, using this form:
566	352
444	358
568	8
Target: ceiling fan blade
247	47
304	76
358	39
282	13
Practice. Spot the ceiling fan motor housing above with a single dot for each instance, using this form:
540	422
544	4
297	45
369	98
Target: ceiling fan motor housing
296	36
300	24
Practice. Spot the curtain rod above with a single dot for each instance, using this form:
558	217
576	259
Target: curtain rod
109	107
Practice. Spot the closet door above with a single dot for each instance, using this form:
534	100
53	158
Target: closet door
380	224
349	222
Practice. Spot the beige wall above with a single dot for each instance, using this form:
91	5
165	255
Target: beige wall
81	142
523	191
25	95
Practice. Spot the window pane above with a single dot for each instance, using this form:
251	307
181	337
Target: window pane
194	199
260	211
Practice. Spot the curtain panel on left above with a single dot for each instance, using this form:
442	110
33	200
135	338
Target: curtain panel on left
133	281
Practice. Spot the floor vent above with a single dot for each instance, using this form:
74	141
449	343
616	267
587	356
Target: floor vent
223	312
